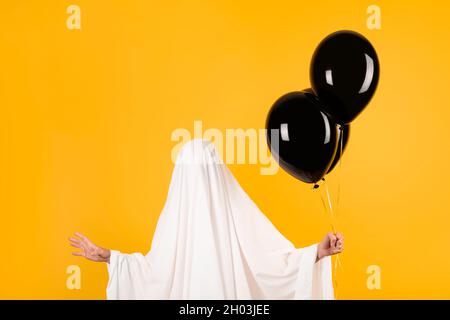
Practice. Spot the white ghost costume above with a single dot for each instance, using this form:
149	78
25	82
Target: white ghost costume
212	242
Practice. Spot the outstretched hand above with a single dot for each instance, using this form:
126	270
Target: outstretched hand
330	245
88	249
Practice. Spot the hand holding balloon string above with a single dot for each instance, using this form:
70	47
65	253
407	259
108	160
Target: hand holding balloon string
331	244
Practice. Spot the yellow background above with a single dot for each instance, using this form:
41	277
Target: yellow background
86	118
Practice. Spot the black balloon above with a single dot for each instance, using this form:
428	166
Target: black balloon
302	138
344	74
345	131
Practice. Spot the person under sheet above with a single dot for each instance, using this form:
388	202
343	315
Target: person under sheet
212	242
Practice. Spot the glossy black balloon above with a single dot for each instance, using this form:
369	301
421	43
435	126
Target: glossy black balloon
345	131
302	138
344	74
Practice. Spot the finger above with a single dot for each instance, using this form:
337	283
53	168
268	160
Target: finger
78	254
74	240
332	240
76	245
80	235
339	243
339	236
83	237
336	251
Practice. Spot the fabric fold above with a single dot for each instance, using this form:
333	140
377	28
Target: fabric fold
213	242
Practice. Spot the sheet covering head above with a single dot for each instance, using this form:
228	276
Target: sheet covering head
198	151
212	242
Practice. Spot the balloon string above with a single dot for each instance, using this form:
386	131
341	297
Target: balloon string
341	142
329	210
333	218
333	212
338	262
325	207
329	200
338	207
